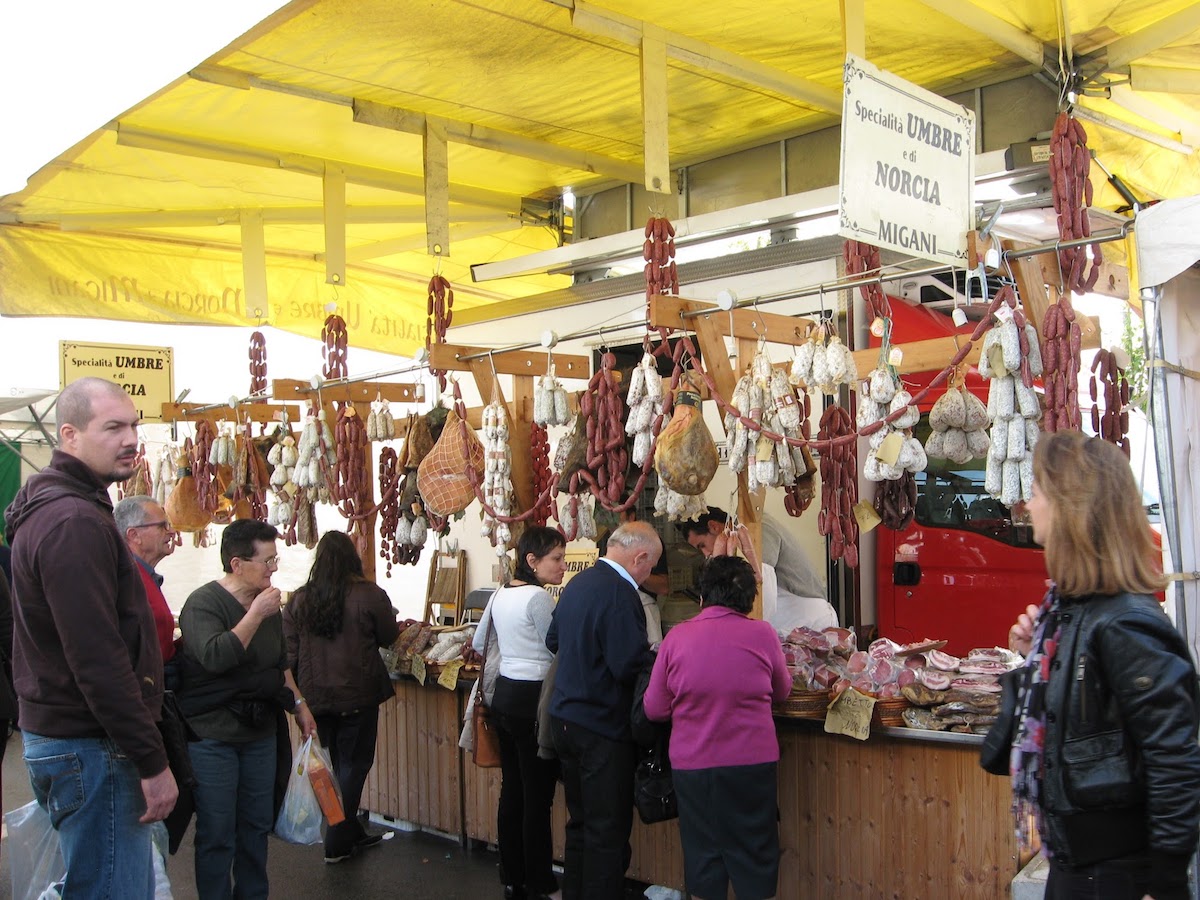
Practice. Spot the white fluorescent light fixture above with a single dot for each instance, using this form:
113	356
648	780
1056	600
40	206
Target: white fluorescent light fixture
624	249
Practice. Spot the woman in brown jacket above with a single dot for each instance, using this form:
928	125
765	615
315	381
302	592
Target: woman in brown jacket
334	626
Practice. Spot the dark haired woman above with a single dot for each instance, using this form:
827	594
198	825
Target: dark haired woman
1104	753
715	679
519	615
334	626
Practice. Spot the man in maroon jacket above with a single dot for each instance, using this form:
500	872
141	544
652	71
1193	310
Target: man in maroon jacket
147	531
86	662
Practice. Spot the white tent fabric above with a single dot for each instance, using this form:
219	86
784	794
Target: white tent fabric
1168	240
12	399
1179	326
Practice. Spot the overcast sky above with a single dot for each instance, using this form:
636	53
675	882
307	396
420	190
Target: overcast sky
70	66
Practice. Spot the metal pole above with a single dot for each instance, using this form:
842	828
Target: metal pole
1102	237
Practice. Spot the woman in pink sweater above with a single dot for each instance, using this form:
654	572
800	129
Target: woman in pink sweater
715	679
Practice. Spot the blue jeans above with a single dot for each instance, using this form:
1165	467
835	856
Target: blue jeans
93	794
235	807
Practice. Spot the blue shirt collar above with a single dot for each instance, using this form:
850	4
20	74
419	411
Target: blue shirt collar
158	579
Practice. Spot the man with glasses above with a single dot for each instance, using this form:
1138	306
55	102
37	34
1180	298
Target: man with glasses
236	686
87	667
149	536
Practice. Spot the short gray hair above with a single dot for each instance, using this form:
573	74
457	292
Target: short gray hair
634	536
131	512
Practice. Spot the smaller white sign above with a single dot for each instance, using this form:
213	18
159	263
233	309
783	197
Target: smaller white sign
908	166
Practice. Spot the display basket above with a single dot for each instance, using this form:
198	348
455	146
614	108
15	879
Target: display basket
803	705
889	713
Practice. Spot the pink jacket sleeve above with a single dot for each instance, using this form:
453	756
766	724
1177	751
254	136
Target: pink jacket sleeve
781	677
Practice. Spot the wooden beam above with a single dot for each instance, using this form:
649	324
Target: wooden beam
1155	36
597	20
333	190
258	412
274	158
369	112
518	430
1031	287
508	362
655	144
437	189
991	26
935	354
854	32
748	323
357	392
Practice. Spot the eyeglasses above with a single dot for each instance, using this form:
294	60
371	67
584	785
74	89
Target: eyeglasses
269	562
164	525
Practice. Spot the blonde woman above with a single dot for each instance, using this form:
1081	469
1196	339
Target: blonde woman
1103	747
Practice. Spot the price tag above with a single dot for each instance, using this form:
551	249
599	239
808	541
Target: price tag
418	668
889	450
865	516
895	356
1004	314
959	316
764	449
449	677
878	327
850	714
996	359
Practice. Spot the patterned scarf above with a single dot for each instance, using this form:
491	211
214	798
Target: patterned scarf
1025	764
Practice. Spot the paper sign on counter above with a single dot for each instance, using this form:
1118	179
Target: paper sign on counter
850	714
418	668
449	677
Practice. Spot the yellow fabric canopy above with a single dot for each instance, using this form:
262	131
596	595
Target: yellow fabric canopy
148	218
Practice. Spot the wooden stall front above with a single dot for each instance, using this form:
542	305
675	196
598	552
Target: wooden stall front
904	814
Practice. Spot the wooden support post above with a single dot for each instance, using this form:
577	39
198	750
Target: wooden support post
655	145
518	431
1031	286
750	503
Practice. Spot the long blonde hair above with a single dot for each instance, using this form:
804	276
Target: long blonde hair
1100	539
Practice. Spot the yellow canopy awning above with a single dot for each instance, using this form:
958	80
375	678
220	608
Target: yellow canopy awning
294	161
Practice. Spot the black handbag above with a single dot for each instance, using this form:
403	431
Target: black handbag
996	751
654	789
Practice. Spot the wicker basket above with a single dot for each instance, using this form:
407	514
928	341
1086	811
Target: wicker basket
889	713
803	705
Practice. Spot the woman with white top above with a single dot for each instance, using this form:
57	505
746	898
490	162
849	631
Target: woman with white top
519	614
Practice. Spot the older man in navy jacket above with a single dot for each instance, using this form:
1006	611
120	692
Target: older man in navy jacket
599	634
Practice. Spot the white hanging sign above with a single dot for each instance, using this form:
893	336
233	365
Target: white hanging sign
908	166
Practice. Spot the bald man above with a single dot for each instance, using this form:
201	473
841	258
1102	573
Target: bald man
86	662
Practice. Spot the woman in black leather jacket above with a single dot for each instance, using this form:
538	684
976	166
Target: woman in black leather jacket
1104	750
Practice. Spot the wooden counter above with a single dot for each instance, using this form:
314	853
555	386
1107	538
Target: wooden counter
903	814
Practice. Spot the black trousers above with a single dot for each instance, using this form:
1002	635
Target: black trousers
526	790
598	782
350	740
1115	879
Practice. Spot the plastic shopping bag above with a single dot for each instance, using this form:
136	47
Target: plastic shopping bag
33	853
320	776
299	819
